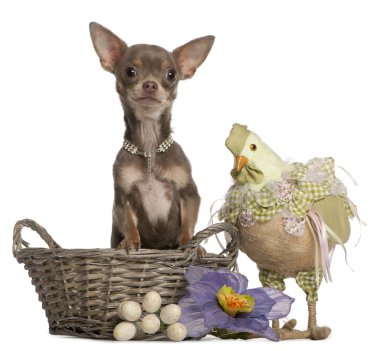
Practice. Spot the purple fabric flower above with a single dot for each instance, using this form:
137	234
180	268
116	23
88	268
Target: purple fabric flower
293	225
246	218
284	190
202	312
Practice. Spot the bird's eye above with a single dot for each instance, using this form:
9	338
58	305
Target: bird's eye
253	147
131	72
171	75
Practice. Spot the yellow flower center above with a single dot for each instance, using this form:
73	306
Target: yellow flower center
233	303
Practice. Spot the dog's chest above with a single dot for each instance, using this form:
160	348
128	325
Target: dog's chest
156	198
156	191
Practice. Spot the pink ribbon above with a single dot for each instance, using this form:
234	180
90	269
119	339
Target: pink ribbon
321	231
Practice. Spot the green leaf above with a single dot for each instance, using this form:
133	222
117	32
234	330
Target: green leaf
226	334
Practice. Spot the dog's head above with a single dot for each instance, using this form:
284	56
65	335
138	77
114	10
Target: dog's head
147	75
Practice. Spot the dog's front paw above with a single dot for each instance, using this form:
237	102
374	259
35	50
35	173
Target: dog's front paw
184	237
129	244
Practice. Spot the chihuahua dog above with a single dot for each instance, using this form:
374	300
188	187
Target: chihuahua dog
156	200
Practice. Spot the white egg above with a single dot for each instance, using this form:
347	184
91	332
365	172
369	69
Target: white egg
129	311
124	331
176	332
170	314
151	302
150	324
139	332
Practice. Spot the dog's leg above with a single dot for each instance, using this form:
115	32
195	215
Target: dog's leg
116	236
126	221
189	214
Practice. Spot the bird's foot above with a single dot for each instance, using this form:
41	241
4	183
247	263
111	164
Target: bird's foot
288	332
319	333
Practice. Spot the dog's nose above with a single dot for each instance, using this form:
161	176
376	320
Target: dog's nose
150	87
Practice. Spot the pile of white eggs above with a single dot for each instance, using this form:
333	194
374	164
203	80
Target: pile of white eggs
146	318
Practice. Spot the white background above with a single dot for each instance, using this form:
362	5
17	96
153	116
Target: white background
303	74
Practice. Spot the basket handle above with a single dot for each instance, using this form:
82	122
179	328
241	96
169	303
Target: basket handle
19	243
232	247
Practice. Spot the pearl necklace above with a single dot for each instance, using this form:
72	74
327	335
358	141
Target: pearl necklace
133	150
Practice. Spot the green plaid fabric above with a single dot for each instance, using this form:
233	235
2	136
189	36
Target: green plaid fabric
309	283
310	182
272	279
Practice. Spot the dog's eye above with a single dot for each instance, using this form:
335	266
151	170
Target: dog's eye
131	72
171	74
253	147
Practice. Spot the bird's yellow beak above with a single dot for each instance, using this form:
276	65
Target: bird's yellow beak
240	162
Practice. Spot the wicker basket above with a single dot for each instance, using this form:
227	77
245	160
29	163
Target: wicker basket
80	290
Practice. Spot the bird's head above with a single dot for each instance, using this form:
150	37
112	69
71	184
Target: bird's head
255	162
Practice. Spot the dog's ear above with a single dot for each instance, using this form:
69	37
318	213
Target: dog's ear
191	55
107	45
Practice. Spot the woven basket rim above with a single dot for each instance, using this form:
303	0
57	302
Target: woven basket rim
141	253
187	252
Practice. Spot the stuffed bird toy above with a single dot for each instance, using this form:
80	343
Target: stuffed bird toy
290	217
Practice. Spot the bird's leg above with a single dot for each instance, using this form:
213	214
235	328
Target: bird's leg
276	281
272	280
316	333
309	282
312	318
